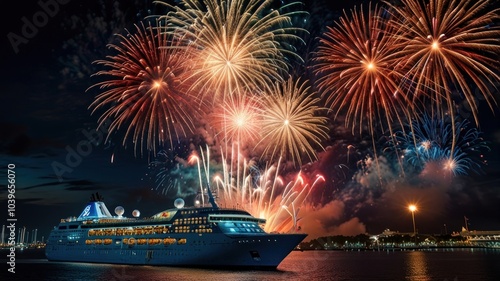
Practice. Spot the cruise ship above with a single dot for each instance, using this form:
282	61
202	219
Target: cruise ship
207	236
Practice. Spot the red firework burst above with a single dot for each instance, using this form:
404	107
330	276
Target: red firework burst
358	72
145	89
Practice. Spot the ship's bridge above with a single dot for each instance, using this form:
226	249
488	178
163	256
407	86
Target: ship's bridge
234	217
238	224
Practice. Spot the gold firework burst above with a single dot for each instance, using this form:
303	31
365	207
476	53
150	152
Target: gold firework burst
292	126
239	43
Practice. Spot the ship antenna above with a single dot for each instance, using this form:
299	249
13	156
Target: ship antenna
211	198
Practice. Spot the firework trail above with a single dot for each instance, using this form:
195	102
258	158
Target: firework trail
263	194
431	142
170	175
239	44
358	72
145	89
450	45
291	124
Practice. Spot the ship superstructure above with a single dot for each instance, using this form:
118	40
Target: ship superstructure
182	236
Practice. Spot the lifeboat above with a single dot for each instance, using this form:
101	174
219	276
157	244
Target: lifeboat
181	241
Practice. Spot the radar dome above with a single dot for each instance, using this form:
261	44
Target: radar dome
136	213
197	203
119	211
179	203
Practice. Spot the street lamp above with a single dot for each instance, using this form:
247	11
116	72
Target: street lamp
412	209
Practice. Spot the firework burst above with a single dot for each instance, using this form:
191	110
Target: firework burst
358	72
237	119
449	45
291	124
431	141
145	89
239	43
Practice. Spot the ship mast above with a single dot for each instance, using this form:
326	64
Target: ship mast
211	198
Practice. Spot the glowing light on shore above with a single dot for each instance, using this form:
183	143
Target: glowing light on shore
412	208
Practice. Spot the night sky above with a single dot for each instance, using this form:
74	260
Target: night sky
45	126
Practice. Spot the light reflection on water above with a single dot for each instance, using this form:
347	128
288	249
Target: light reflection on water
458	265
416	266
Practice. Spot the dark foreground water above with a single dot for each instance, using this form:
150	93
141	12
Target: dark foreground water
450	265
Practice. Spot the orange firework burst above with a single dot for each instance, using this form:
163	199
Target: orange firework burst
450	44
358	73
238	43
237	119
145	89
291	123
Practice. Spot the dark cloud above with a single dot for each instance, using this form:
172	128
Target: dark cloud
13	139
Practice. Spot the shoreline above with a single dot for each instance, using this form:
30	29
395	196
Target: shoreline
396	249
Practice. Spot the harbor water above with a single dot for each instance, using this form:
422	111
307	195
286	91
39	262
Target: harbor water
415	265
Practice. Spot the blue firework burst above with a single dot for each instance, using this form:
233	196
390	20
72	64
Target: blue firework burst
430	140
